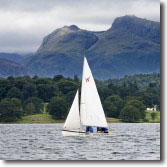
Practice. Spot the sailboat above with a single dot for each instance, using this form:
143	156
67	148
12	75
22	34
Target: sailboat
91	113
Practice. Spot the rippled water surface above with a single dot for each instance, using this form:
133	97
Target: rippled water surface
45	142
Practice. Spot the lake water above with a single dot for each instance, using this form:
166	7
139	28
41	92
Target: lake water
134	141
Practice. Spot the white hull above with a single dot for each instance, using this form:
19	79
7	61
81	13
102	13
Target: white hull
84	134
72	133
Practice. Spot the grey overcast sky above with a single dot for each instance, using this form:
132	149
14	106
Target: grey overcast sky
23	23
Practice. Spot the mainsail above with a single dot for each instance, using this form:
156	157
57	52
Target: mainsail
73	119
91	110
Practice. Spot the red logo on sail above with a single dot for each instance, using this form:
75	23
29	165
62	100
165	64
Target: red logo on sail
87	79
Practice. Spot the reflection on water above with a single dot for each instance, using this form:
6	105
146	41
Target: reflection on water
45	142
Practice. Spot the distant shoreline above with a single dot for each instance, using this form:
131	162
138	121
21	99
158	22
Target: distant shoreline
47	119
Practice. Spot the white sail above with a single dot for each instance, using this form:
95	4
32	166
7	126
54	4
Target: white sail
73	119
91	110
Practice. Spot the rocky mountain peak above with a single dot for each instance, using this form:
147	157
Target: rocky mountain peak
131	21
139	26
74	27
130	46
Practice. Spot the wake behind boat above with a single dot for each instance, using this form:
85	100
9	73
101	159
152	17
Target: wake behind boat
91	120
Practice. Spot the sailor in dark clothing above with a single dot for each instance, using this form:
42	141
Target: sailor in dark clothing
98	129
105	130
89	129
102	130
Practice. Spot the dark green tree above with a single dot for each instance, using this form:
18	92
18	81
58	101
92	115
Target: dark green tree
10	110
70	97
153	115
104	93
113	87
130	114
29	109
110	109
38	103
12	81
14	93
46	91
65	86
5	86
113	105
58	108
2	93
139	105
57	78
20	83
76	79
38	81
133	111
29	90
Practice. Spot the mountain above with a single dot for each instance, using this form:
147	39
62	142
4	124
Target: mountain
12	57
9	68
130	46
15	57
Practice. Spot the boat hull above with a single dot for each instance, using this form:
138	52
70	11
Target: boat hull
98	134
72	133
84	134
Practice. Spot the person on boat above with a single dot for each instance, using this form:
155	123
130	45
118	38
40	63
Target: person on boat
98	129
89	129
102	130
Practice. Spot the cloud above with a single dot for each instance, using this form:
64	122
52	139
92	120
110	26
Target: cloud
25	23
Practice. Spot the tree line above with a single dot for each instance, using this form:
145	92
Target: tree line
125	98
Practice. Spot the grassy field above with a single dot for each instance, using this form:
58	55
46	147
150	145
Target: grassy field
38	118
148	116
113	120
46	119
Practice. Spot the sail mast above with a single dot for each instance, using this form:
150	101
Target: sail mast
91	110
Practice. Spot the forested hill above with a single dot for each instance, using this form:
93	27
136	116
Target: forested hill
131	46
125	98
142	81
